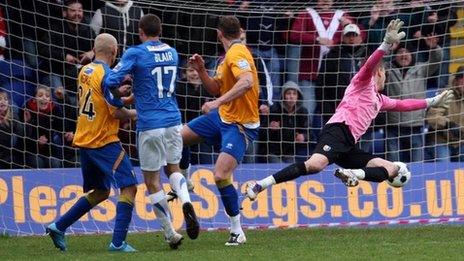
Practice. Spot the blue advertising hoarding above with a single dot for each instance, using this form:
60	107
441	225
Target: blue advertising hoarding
31	199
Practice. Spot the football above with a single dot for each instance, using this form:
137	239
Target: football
403	176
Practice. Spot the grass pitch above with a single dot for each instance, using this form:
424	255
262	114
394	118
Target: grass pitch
437	242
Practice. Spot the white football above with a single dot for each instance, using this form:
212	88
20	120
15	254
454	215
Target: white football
403	176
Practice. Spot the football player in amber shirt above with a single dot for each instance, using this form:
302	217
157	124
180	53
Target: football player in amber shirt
232	119
103	160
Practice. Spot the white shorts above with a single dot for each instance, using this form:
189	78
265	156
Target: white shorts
159	147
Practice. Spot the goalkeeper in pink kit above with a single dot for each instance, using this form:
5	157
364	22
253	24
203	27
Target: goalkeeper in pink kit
360	105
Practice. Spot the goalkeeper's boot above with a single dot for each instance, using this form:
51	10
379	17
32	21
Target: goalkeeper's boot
236	239
191	222
347	177
123	248
252	190
185	173
174	240
57	236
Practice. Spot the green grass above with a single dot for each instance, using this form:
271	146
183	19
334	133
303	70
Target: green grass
438	242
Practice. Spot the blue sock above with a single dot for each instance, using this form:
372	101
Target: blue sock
229	198
123	218
185	160
81	207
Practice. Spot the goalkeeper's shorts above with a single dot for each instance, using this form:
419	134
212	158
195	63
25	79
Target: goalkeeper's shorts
337	143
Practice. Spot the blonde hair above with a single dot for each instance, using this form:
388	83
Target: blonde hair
9	113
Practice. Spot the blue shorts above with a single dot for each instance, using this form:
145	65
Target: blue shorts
234	138
107	165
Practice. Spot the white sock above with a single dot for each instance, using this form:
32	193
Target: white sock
235	225
266	182
359	173
179	185
161	209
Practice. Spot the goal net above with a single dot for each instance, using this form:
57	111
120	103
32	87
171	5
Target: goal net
306	53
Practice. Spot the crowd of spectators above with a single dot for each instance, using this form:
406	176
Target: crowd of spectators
306	57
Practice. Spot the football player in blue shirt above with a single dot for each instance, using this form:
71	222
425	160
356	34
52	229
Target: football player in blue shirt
153	66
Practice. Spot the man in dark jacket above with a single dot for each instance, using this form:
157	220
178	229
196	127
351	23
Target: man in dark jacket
337	70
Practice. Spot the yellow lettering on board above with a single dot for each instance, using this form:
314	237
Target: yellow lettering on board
383	190
289	210
42	197
313	199
3	191
18	199
459	185
211	208
353	200
435	208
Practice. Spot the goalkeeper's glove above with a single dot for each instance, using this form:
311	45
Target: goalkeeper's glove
441	100
392	35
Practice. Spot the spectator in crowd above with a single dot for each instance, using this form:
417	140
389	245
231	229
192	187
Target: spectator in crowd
68	46
264	26
421	19
44	125
317	30
445	137
288	128
191	95
382	12
196	32
337	70
11	133
119	18
408	79
445	18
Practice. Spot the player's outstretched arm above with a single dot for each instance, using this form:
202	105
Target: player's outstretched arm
440	100
392	36
211	85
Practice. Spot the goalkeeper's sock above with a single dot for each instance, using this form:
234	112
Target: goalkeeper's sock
229	198
185	160
123	218
81	207
161	209
235	225
290	172
266	182
179	185
374	174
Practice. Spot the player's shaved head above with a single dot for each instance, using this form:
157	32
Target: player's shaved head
105	44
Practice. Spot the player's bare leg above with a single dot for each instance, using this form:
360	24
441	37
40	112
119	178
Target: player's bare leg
223	170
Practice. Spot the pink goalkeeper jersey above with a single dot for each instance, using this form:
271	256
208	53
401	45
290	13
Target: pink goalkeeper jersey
361	103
